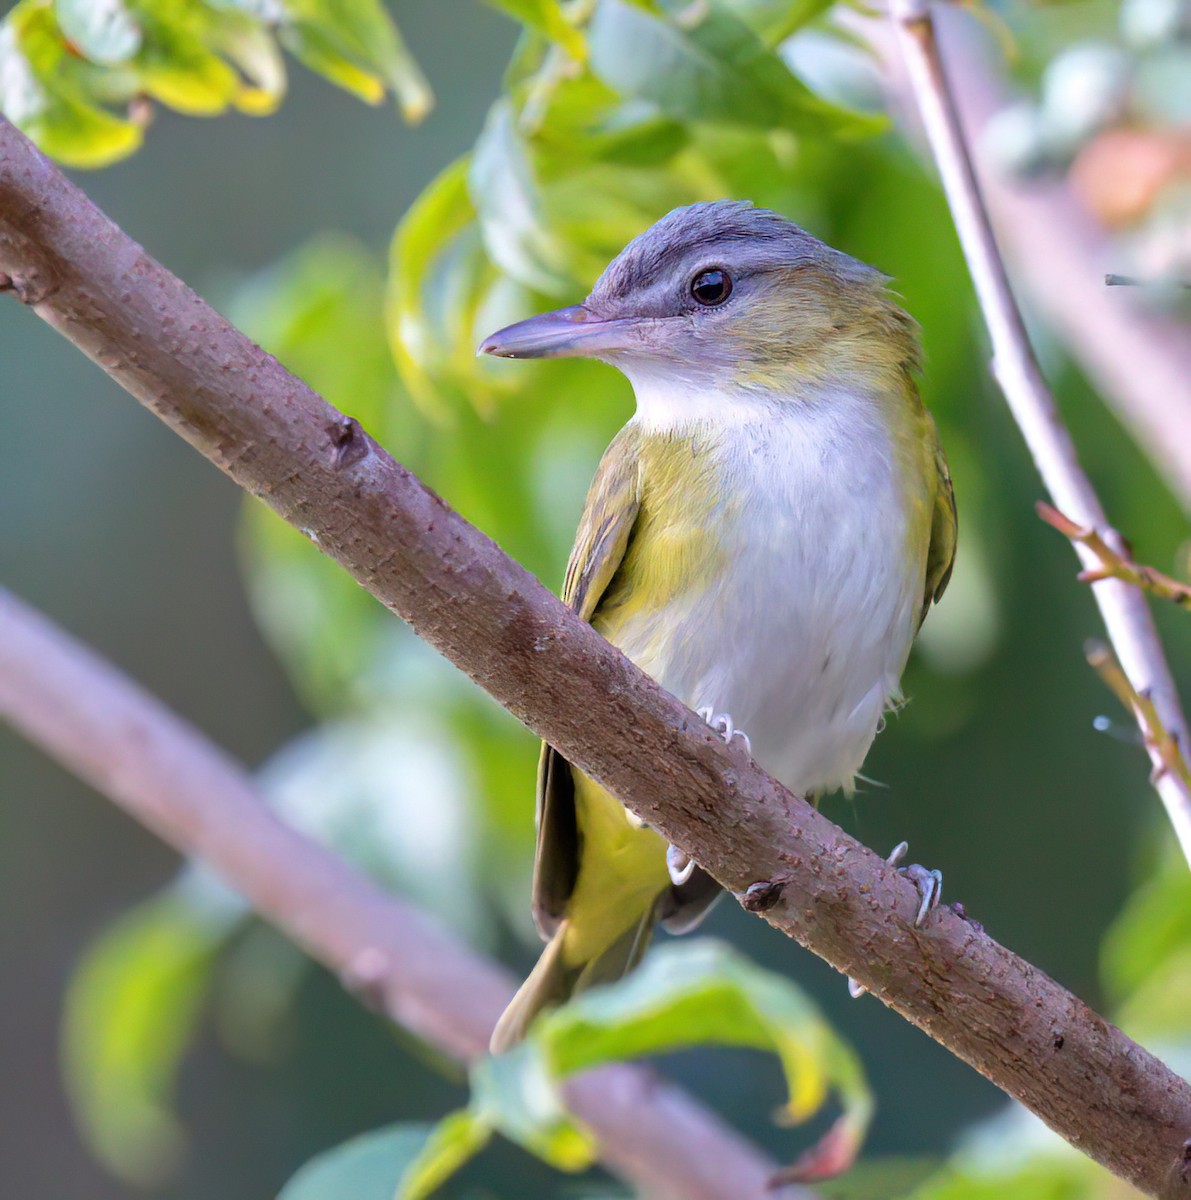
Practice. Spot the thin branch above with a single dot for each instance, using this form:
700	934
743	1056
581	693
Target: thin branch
111	733
1111	280
1113	563
323	473
1163	743
1123	607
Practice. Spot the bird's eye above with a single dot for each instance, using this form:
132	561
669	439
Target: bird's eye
711	287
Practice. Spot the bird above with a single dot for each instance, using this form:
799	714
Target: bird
765	537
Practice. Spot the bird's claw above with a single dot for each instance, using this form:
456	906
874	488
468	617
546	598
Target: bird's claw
723	724
928	883
930	888
680	866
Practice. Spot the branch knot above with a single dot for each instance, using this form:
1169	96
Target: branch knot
349	443
31	287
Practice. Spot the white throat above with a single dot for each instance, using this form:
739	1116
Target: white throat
668	399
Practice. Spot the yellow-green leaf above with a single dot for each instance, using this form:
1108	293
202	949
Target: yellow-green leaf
41	97
455	1140
548	18
442	211
130	1013
705	992
356	44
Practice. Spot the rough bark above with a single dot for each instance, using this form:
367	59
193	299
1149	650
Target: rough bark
322	472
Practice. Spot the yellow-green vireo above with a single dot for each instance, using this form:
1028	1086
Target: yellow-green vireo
764	537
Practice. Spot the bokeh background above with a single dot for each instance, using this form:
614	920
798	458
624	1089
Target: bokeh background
1043	826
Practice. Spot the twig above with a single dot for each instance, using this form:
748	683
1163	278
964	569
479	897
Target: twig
1161	740
1122	606
1115	564
324	474
1111	280
115	736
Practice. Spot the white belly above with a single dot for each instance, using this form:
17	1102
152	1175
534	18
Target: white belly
803	634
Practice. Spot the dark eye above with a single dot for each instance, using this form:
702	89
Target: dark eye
711	287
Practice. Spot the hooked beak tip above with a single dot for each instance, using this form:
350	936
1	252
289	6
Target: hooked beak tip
567	333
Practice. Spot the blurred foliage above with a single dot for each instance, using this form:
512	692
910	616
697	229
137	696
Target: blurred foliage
130	1013
79	76
1113	112
686	994
612	113
365	1168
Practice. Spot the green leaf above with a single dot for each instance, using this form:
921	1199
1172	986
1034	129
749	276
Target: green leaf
683	995
130	1012
454	1141
704	63
365	1168
775	20
102	30
322	54
253	50
704	992
505	194
176	65
356	44
416	268
40	93
547	18
518	1094
64	64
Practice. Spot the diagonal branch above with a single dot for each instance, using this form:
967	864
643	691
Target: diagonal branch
323	473
1122	605
127	745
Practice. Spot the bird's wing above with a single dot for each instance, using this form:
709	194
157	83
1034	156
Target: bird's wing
940	558
605	530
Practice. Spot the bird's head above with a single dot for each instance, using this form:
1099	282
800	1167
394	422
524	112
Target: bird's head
731	297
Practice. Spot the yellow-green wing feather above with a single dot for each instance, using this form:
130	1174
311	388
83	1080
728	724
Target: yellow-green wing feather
940	557
605	531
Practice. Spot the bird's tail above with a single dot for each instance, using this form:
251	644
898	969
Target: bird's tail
554	980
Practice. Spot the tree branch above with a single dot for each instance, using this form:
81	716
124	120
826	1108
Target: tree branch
1122	606
112	734
322	472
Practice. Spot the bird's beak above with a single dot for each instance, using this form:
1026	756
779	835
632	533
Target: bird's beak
574	332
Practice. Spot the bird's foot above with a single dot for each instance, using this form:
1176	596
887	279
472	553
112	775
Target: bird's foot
681	866
723	724
930	888
928	883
